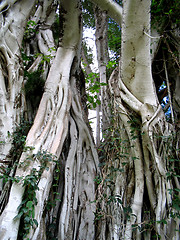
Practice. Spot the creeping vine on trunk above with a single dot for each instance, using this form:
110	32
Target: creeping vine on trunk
55	183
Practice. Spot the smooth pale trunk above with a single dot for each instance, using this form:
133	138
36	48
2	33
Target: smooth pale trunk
48	133
137	94
12	102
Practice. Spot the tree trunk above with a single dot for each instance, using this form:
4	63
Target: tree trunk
13	20
59	117
39	41
102	57
55	190
136	203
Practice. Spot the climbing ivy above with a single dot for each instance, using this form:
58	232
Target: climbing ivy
93	90
26	210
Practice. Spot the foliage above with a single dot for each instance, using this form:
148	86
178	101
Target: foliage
114	38
56	29
31	29
88	14
26	60
27	207
112	64
18	138
34	87
26	210
93	90
46	58
115	155
165	20
165	11
30	183
173	173
115	151
53	201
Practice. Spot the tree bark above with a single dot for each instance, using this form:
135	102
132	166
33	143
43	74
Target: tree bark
133	196
139	120
59	115
102	57
13	20
113	9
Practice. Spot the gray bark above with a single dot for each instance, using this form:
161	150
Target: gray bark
102	57
13	19
132	188
60	115
139	119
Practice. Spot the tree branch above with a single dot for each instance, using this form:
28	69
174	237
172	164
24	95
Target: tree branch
114	10
7	4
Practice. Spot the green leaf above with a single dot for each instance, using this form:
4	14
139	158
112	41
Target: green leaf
177	189
103	84
162	221
17	217
29	204
27	219
33	212
35	222
24	210
98	102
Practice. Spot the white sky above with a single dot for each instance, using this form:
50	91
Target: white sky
89	36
